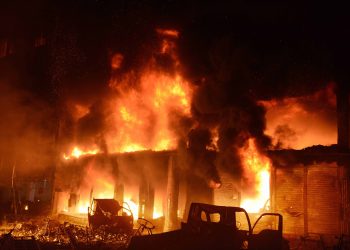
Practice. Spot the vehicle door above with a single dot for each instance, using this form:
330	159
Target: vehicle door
267	232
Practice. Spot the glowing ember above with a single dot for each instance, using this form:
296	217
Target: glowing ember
257	175
168	32
117	61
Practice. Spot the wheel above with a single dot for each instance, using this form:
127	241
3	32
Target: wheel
144	225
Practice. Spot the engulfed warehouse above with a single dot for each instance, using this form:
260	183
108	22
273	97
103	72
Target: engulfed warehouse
310	186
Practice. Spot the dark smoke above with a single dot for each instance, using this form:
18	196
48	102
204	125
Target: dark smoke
283	133
91	127
85	37
237	60
200	160
224	98
27	132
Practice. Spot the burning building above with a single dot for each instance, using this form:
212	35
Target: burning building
218	107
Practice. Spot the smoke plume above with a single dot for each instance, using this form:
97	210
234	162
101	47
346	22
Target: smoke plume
27	131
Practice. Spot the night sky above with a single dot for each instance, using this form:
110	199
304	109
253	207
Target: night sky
283	45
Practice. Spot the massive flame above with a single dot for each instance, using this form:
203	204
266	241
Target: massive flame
257	177
100	185
304	121
141	117
77	152
145	104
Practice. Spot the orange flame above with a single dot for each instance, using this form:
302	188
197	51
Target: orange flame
257	175
140	118
76	153
143	112
143	116
304	121
168	32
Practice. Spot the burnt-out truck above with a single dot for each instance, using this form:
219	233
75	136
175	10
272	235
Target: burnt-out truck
109	215
217	227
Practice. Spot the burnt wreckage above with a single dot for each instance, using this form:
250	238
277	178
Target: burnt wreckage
207	227
217	227
111	216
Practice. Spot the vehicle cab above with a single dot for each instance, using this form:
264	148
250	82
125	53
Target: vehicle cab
217	227
111	215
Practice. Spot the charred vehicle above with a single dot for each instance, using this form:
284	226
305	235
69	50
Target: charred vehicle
217	227
109	215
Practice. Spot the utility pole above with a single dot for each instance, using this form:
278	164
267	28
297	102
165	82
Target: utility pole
13	185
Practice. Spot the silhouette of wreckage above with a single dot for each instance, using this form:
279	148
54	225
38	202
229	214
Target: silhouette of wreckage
109	215
217	227
207	227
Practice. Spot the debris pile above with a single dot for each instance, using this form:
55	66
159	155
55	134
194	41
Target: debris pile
53	234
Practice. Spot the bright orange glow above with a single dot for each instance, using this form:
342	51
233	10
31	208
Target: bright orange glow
143	111
157	213
83	207
142	116
96	184
134	207
256	177
300	122
117	61
100	185
168	32
76	153
77	110
215	138
158	206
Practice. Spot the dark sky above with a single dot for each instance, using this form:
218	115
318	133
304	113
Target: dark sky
287	42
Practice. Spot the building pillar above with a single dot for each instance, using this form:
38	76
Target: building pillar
58	201
119	193
146	200
172	196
